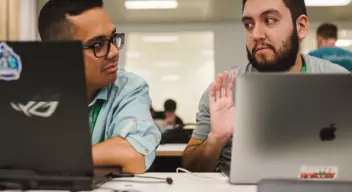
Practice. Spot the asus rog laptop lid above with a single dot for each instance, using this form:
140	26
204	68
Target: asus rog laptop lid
44	115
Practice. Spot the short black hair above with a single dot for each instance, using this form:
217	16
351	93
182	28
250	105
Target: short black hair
328	31
52	22
296	7
170	105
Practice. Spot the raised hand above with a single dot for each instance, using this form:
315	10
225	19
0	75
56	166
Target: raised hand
222	107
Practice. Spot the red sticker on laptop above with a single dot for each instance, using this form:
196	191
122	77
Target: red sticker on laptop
318	173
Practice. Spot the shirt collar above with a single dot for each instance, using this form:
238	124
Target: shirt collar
102	95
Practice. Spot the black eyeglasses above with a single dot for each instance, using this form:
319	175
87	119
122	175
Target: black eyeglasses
102	48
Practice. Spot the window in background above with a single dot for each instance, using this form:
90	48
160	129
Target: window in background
345	40
177	65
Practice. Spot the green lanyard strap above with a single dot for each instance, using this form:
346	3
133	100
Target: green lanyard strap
304	66
96	111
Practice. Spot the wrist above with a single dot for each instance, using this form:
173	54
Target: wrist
221	138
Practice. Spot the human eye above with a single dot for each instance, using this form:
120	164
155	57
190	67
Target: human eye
248	25
270	20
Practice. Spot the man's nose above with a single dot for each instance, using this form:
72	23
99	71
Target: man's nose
114	52
258	33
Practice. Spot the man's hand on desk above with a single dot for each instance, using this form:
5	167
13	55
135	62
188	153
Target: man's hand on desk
118	152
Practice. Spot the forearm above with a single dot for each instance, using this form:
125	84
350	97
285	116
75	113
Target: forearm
203	157
118	152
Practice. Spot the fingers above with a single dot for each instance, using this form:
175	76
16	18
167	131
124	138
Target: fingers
222	87
218	87
230	86
224	84
231	82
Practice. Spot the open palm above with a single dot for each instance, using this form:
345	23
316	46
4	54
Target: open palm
222	106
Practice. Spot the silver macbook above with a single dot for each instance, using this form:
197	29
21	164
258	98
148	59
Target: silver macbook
292	126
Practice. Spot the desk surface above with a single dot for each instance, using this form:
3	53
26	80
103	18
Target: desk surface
171	149
181	182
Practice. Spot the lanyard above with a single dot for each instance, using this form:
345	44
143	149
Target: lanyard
304	66
96	111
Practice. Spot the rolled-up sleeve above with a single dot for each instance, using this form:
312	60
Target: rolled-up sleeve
134	122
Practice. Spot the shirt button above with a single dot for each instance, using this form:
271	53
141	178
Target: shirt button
147	151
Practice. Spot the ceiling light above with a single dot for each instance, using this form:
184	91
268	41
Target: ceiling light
133	54
160	39
322	3
151	4
140	71
170	78
167	64
343	43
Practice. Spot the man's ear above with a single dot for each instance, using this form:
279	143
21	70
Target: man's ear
302	27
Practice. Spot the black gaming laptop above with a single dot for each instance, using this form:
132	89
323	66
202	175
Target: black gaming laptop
45	140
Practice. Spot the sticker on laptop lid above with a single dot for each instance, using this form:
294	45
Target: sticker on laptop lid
10	63
321	173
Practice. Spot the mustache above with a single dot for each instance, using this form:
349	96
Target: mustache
262	46
109	62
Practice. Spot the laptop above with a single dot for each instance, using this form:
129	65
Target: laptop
292	127
45	138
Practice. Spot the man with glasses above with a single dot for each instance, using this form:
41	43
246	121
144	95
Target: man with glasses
123	132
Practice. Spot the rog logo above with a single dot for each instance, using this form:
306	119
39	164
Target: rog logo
36	108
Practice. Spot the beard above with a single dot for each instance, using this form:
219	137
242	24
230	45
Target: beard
284	58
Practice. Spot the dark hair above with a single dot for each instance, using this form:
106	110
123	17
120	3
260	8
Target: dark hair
328	31
170	105
296	7
52	22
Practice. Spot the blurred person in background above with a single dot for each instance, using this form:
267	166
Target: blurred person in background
168	116
327	36
172	126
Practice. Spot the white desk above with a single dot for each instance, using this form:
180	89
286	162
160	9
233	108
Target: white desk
182	182
171	150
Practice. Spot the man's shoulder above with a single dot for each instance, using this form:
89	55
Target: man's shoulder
316	53
128	80
127	83
242	69
317	65
332	53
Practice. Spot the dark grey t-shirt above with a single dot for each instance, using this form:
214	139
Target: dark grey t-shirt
314	65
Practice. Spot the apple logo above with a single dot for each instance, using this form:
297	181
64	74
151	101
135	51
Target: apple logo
328	133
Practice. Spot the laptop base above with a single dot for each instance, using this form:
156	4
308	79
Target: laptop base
29	180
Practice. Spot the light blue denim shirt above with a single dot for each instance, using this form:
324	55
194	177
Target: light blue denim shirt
125	112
